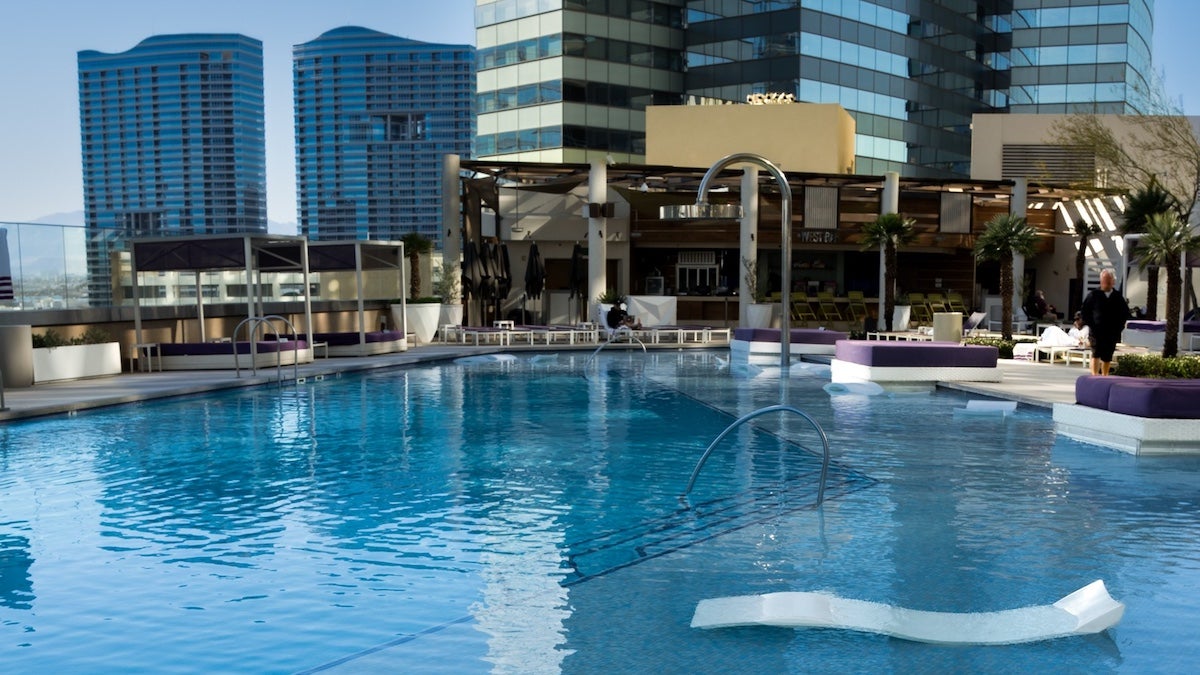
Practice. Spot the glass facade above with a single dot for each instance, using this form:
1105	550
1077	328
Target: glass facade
910	73
1092	56
569	80
173	143
375	113
911	81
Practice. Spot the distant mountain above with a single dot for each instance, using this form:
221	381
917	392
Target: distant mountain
62	218
276	227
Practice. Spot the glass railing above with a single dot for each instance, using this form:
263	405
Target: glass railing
48	266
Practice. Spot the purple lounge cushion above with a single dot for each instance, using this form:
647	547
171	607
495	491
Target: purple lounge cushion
217	348
1150	326
1160	326
1092	390
811	336
346	338
916	354
1167	399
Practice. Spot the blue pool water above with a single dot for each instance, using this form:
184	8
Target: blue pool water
524	517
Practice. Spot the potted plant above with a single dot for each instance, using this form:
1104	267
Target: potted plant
94	354
421	313
758	312
605	302
449	289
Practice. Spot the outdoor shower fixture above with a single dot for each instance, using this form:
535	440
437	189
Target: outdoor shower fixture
704	210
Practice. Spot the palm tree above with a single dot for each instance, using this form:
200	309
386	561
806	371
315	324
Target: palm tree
1139	207
1084	231
1164	242
1004	236
890	231
415	245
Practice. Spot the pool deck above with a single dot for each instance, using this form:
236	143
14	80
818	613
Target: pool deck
1035	384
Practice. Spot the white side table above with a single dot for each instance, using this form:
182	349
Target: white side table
146	353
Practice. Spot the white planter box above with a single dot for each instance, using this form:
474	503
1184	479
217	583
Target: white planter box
75	362
759	315
422	318
451	314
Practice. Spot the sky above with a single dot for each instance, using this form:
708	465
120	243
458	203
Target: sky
40	172
40	161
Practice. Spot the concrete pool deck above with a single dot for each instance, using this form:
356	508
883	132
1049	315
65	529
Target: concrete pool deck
1036	384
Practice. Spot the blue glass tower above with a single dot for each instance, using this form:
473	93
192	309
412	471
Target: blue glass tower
173	143
375	114
566	80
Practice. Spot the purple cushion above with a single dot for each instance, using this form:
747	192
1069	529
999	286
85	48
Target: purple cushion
1170	399
916	354
1092	390
1142	324
810	336
215	348
1160	326
340	339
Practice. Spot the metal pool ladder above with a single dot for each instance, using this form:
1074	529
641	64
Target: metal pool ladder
746	418
617	337
253	323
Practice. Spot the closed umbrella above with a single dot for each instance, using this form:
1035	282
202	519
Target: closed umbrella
487	275
578	278
535	277
535	274
472	273
504	272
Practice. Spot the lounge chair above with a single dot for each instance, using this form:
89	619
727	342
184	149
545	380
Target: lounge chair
1053	343
973	323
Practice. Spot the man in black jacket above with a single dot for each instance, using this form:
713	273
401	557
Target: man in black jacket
1105	312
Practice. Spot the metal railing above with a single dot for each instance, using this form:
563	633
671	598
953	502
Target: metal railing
746	418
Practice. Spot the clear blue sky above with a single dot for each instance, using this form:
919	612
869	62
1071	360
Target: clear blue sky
39	114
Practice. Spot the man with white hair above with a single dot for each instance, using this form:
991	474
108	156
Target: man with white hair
1105	312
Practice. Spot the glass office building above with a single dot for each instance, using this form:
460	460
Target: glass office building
569	80
375	114
1091	56
912	74
173	143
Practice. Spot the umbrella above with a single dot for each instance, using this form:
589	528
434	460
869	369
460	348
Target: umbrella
472	273
488	275
503	272
578	279
535	274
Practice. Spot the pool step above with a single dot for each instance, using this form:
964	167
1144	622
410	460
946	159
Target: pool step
617	549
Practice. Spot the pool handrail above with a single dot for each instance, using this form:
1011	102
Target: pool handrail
751	415
252	331
616	337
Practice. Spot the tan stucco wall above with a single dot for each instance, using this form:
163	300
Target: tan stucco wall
990	133
807	137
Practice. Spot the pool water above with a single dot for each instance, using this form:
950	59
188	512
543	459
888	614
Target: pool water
525	516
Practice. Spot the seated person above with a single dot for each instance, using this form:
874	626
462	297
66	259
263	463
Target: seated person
1079	331
618	318
1037	308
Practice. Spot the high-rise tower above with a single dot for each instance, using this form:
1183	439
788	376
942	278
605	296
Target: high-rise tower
375	113
565	80
569	80
173	143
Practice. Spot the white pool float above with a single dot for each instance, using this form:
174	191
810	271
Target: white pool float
854	388
1088	610
485	358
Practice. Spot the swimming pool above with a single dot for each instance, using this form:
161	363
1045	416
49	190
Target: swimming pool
524	516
